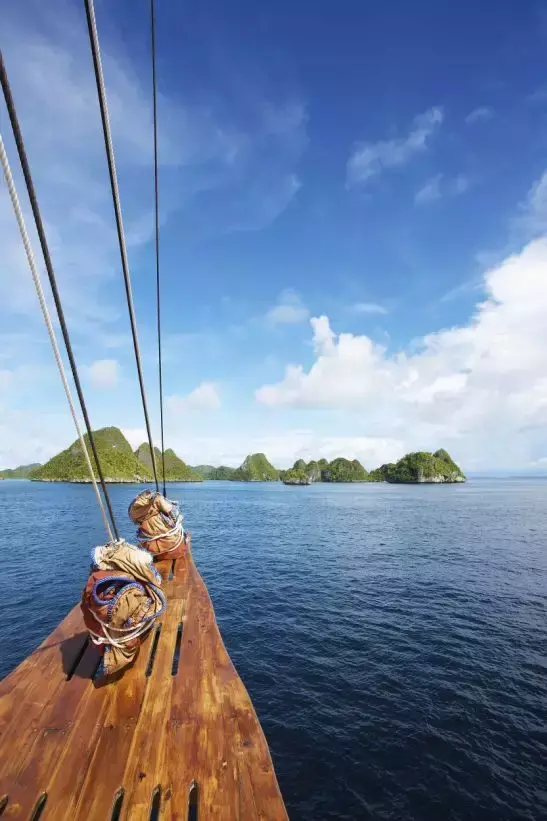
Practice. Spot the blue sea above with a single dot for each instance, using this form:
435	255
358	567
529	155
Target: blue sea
393	638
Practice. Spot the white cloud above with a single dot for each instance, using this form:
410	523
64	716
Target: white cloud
532	218
104	373
289	309
226	172
5	379
369	308
464	289
430	192
203	398
481	387
371	158
283	449
439	186
480	115
26	436
136	436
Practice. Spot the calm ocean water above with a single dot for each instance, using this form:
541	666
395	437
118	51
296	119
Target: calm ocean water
393	639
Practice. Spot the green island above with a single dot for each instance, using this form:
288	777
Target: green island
420	468
414	468
175	469
221	473
121	464
20	472
255	468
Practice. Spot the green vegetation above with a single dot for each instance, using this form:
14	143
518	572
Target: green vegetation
210	472
255	468
175	469
117	460
120	464
420	467
380	474
342	470
203	470
222	473
315	469
339	470
296	476
21	472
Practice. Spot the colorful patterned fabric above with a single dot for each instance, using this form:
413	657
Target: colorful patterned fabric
120	602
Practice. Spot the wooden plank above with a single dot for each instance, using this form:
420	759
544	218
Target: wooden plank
66	787
143	771
88	742
46	753
101	782
204	744
36	683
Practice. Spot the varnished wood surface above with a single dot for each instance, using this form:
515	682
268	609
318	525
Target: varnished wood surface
146	738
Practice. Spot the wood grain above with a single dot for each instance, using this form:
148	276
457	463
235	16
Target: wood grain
81	744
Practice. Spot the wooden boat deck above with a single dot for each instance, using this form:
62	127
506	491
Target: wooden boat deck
174	738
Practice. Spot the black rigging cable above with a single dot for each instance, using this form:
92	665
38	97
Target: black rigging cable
51	276
156	200
101	91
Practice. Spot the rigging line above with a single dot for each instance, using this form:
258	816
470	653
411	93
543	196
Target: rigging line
156	200
101	91
51	276
47	318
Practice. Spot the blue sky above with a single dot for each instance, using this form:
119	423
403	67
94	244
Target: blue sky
353	227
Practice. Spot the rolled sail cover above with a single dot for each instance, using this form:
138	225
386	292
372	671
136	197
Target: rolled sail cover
120	602
160	525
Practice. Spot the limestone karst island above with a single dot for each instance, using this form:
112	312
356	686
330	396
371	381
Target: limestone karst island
122	464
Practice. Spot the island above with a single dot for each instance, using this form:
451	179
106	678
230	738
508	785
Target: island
255	468
20	472
293	476
119	463
221	473
420	468
175	469
414	468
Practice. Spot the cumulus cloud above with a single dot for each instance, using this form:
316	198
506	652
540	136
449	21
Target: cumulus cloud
371	158
482	386
104	373
203	398
289	309
480	115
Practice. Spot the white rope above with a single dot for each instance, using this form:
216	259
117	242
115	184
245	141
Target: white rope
45	312
131	633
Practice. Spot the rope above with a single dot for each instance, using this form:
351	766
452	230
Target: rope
156	200
45	312
131	633
51	276
101	91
